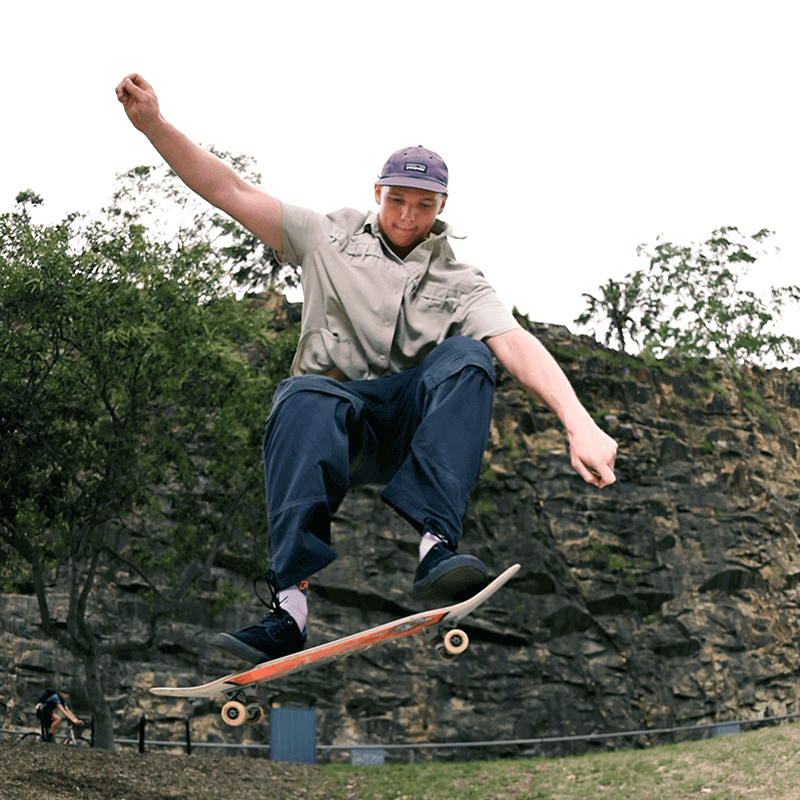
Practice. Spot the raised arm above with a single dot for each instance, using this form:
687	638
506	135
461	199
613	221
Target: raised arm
200	170
592	452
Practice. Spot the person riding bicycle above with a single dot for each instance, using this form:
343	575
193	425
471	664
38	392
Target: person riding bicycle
51	709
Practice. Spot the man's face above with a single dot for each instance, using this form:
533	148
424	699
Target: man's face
406	215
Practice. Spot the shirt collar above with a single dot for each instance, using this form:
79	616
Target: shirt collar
440	230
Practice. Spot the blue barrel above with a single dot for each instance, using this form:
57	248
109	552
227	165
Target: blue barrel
293	735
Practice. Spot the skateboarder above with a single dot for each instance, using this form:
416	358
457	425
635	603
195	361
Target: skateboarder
393	378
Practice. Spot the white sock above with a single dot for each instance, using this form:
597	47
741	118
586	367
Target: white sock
295	602
425	544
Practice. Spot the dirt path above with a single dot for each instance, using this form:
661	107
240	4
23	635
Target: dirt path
56	772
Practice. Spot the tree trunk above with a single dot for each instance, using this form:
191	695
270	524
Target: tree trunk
101	710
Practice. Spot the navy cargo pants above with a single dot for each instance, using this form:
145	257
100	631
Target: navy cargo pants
422	432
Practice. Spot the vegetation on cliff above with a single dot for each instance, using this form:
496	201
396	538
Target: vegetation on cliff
693	301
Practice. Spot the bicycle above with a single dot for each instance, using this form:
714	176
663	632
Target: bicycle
31	738
71	739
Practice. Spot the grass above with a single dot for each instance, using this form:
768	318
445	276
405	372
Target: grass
758	765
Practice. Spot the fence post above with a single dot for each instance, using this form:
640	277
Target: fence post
141	734
188	737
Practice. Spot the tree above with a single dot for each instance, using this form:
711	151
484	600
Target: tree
691	301
154	197
616	308
27	198
132	404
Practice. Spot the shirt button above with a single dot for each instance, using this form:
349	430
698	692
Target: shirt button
387	324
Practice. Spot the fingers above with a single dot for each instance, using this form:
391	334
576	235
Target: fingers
136	80
593	454
124	90
605	477
599	472
132	86
139	101
599	477
141	83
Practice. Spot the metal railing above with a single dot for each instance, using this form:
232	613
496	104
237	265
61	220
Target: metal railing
714	728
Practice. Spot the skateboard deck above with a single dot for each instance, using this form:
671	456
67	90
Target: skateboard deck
440	624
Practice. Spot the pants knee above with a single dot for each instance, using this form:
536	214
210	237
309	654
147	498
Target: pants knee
296	396
456	354
466	346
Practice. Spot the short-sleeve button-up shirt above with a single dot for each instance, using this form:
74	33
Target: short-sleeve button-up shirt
369	313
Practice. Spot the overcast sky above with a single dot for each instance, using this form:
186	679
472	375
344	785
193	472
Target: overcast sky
573	131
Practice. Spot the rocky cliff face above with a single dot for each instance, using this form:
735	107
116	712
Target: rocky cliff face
669	598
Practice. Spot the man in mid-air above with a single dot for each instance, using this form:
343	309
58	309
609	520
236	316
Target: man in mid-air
393	377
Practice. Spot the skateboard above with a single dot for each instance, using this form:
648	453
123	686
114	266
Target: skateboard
439	624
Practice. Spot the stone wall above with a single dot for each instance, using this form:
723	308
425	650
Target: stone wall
667	599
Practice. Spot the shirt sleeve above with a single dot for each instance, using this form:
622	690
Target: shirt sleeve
302	230
484	313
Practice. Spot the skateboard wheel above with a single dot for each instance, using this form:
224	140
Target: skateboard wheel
455	642
255	716
234	713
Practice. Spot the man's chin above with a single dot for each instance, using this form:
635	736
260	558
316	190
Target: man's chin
404	239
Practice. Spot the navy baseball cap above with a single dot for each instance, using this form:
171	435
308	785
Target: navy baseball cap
417	168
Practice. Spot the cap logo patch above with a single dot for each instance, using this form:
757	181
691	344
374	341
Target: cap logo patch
416	167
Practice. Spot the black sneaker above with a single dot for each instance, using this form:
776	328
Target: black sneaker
274	635
444	576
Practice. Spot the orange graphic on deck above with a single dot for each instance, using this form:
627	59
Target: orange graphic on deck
340	647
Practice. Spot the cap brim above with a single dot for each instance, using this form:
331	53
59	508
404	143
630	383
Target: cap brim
411	183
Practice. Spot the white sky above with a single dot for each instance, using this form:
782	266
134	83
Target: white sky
573	130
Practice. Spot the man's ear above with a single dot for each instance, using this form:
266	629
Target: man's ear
441	205
378	190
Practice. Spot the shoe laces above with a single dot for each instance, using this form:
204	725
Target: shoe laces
276	611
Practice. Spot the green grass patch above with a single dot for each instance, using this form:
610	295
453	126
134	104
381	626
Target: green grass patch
511	449
758	765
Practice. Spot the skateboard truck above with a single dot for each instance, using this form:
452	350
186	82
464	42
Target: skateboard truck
241	709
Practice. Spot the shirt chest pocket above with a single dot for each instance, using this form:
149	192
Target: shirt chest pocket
441	299
362	254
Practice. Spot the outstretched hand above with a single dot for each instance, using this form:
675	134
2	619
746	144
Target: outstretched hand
593	453
139	100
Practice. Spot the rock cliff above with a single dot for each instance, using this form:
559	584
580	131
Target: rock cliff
669	598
